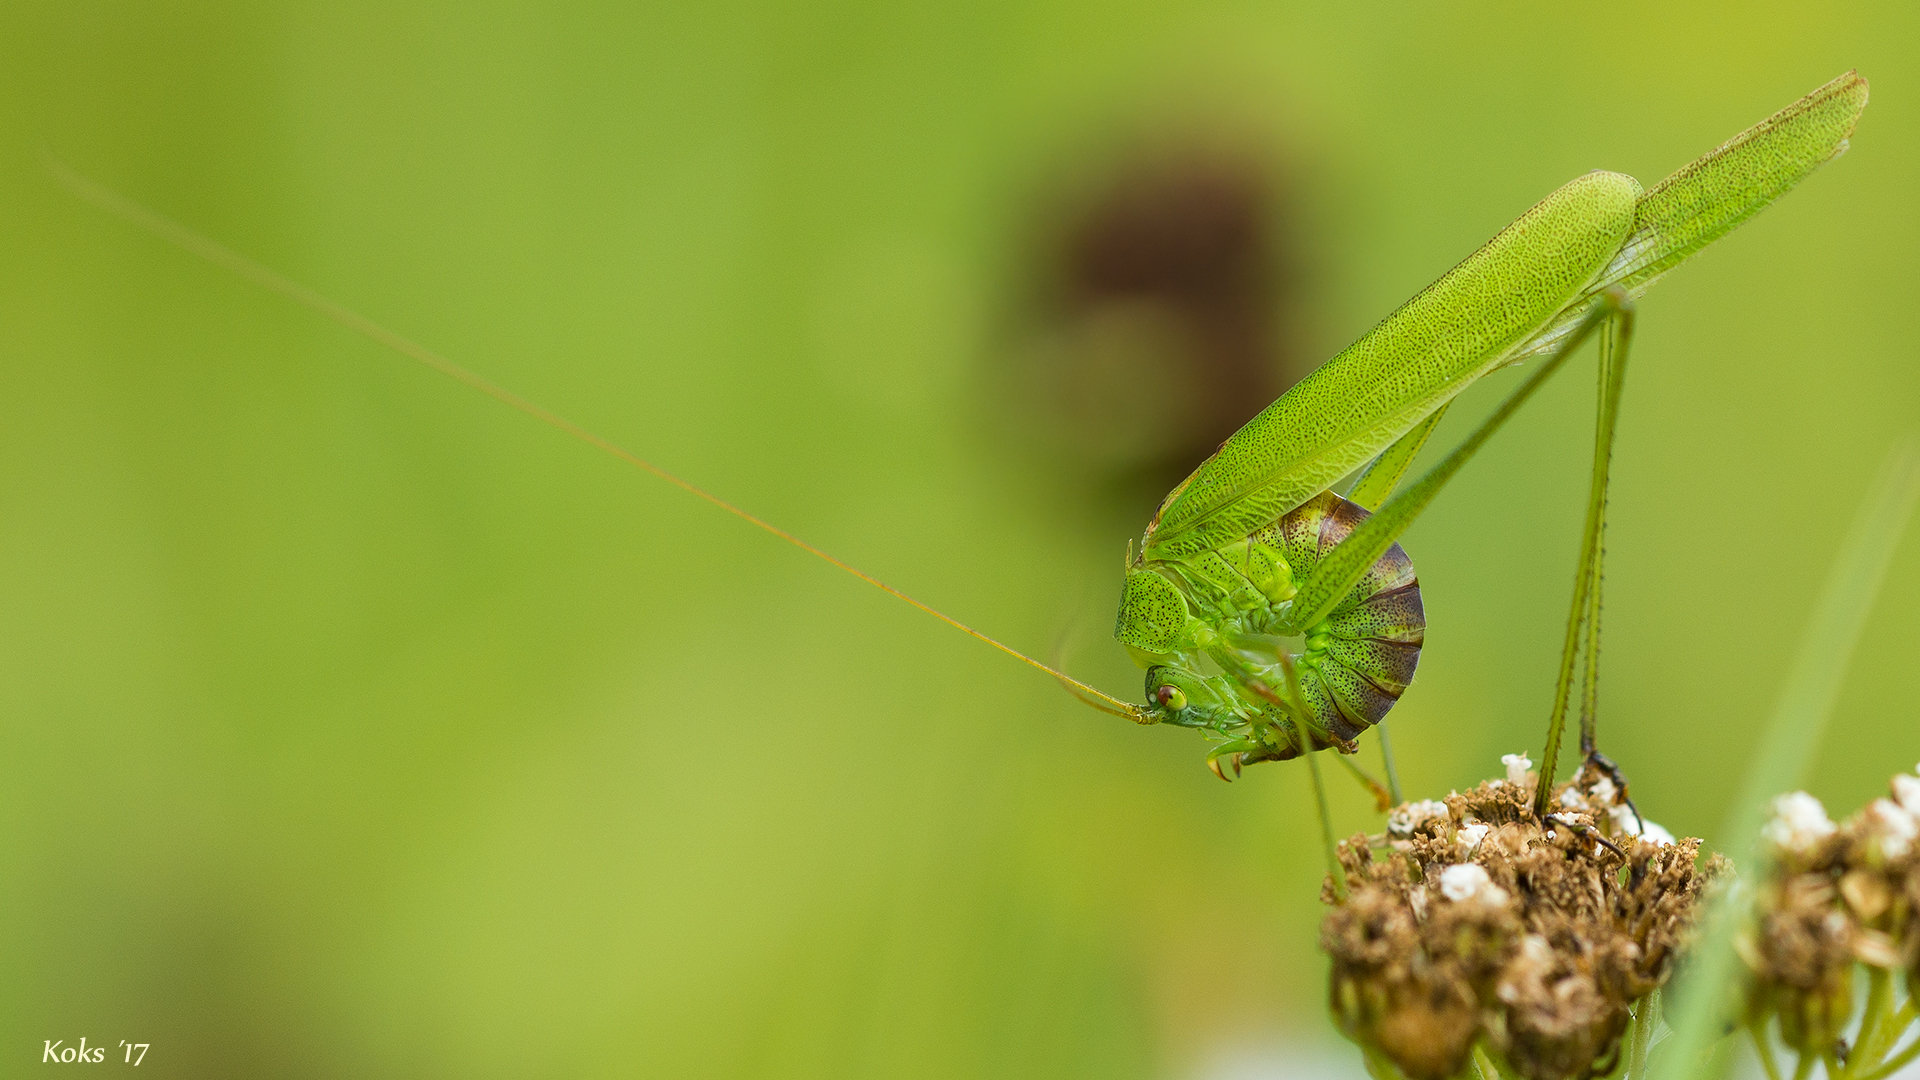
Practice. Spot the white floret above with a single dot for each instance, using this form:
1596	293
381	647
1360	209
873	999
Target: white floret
1626	821
1517	766
1906	792
1893	826
1407	817
1603	791
1472	833
1469	881
1799	822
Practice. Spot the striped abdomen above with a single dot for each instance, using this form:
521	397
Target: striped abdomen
1360	658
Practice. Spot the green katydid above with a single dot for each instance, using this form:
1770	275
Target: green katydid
1255	547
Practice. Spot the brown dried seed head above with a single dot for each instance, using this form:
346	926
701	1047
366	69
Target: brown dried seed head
1424	1024
1559	1020
1869	895
1479	922
1835	895
1428	1030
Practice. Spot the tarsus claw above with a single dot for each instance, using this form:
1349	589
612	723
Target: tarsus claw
1232	754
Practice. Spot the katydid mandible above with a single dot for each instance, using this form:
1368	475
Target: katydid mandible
1255	548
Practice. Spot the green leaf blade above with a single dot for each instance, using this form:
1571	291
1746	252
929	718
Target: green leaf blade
1790	740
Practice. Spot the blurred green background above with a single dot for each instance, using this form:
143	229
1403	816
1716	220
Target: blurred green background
355	725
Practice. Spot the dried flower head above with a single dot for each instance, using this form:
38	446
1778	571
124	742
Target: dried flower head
1835	896
1479	922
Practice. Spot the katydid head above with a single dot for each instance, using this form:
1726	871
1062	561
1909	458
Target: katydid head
1185	699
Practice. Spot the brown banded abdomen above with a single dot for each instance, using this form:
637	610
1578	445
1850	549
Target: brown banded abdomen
1362	657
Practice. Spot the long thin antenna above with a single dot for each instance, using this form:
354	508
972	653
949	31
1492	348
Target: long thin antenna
220	255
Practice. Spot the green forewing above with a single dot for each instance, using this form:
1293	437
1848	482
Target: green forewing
1715	193
1708	198
1419	357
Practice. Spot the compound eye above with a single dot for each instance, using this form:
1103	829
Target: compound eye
1170	697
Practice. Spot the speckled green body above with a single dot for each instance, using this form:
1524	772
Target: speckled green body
1239	559
1350	668
1212	588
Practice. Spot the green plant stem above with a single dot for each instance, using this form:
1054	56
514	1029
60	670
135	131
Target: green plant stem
1623	1060
1763	1046
1803	1068
1869	1046
1645	1018
1900	1060
1895	1064
1887	1035
1326	831
1484	1065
